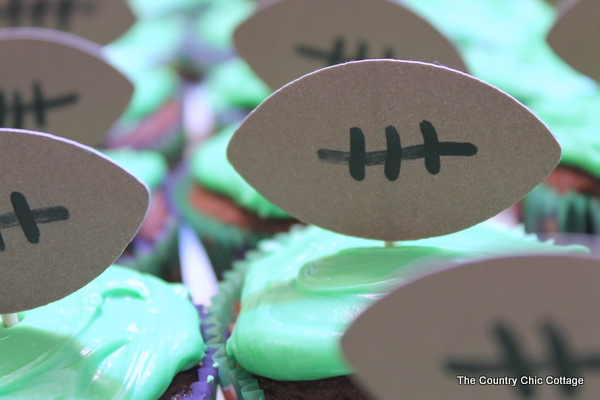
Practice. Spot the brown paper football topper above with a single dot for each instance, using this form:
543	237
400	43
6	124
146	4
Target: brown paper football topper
501	329
291	38
100	21
392	150
58	83
576	36
66	213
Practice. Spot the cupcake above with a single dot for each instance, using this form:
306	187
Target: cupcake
119	337
505	44
228	215
153	120
300	291
154	248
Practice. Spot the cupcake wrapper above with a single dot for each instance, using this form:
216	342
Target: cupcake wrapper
545	210
205	387
237	383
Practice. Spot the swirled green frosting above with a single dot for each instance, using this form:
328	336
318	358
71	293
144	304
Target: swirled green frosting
148	166
210	167
123	336
504	43
303	289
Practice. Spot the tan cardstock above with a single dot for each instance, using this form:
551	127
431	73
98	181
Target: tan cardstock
58	83
100	21
291	38
66	213
575	37
530	317
441	150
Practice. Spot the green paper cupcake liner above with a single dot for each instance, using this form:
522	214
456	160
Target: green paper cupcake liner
545	210
235	381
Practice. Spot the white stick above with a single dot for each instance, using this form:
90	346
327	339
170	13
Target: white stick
9	320
388	244
196	270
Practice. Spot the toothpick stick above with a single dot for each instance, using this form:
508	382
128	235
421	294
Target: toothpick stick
9	320
388	244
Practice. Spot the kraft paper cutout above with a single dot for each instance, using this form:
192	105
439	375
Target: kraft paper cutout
58	83
66	214
100	21
291	38
575	37
392	150
438	336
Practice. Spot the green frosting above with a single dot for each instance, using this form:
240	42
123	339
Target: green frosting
216	25
148	43
123	336
148	166
303	290
504	43
210	167
142	54
234	84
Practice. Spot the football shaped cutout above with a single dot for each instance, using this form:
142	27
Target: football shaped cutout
291	38
575	36
501	329
58	83
392	150
100	21
66	214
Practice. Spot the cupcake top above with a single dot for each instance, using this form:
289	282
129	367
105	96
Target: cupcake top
504	43
148	166
211	168
123	336
303	290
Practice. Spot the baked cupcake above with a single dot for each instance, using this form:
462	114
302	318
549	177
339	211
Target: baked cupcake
125	335
228	215
299	292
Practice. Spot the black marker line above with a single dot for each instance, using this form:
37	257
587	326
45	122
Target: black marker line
362	51
39	10
356	160
393	155
62	10
14	11
17	110
337	54
41	216
40	106
561	355
3	109
29	219
25	217
562	361
432	147
514	357
431	150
